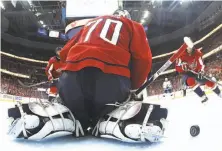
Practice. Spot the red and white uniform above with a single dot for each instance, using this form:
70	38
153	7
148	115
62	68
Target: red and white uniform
195	63
119	46
53	70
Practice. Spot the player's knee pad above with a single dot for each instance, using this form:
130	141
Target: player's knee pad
133	122
191	82
37	121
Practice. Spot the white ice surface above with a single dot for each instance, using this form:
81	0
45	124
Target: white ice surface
182	114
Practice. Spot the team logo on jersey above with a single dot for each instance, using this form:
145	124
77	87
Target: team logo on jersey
177	61
193	65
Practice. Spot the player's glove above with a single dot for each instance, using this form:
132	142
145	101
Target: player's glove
184	66
200	74
50	78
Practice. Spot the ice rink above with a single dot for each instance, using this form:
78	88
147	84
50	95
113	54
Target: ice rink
183	113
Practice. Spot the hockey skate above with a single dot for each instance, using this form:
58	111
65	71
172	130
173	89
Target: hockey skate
204	99
220	95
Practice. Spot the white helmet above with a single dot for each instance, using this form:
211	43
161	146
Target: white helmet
166	79
189	43
123	13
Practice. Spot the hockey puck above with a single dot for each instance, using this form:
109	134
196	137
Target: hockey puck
194	130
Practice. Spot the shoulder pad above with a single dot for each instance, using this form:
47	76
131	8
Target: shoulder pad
52	59
183	54
198	52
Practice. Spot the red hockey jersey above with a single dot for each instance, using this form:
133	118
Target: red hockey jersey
116	45
54	67
194	61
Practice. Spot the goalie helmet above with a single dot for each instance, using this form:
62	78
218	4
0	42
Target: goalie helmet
190	45
122	13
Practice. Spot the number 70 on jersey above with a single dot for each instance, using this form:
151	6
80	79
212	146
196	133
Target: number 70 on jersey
104	31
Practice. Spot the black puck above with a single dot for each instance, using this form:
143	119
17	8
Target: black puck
194	130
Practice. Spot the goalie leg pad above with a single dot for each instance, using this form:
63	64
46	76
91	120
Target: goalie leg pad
134	122
40	120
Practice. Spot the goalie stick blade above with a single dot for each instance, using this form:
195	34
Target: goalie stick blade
163	68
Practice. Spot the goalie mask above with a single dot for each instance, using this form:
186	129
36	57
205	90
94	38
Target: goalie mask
122	13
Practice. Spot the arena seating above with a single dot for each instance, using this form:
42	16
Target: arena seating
10	85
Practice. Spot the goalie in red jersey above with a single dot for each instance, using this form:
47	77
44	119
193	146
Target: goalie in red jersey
104	61
189	63
53	70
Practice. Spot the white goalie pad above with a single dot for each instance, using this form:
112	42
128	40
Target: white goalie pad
151	132
112	128
56	127
127	111
27	122
32	122
130	132
48	120
47	109
15	128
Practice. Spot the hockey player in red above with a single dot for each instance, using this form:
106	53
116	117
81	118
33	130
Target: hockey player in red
191	60
53	70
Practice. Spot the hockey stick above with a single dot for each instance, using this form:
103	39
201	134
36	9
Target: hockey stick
207	78
34	85
163	68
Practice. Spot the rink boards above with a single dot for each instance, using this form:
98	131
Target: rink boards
13	98
157	99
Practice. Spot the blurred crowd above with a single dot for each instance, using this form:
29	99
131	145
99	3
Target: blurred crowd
23	67
10	84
